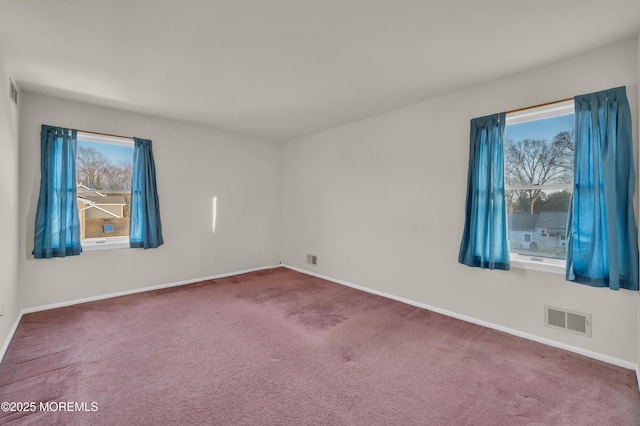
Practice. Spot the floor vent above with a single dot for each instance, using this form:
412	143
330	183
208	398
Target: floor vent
312	259
575	322
13	92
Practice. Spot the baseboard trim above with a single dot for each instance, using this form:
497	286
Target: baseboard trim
118	294
585	352
5	346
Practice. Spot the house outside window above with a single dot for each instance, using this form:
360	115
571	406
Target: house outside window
539	180
104	166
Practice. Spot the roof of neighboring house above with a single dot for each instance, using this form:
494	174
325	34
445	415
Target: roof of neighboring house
552	220
543	220
522	221
110	199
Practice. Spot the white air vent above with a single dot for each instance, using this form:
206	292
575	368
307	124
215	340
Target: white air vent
575	322
312	259
13	92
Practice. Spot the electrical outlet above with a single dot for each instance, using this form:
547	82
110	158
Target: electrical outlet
312	259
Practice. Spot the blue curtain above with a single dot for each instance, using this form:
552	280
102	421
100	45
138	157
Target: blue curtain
602	248
57	227
484	241
145	227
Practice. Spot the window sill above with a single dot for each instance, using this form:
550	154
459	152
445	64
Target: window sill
105	244
554	266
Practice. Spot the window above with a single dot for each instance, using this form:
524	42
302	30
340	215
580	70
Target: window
539	181
104	166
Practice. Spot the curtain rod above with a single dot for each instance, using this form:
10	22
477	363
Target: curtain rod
104	134
538	106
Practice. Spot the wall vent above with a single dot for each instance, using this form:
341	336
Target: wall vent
564	319
312	259
13	92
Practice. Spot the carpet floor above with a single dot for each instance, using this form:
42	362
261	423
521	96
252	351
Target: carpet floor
277	347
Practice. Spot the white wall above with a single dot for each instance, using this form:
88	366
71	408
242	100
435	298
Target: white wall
9	210
381	203
193	164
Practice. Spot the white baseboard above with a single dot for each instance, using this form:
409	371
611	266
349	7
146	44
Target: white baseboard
117	294
591	354
10	336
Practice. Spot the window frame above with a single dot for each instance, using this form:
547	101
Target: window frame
545	264
109	243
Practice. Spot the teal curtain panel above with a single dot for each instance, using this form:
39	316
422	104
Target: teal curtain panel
484	240
57	227
145	226
602	233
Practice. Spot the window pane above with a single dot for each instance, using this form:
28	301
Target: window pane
540	152
539	178
541	232
103	177
104	166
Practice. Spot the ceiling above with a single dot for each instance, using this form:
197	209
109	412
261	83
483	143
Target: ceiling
281	69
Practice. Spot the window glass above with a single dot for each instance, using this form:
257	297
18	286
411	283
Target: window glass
104	167
539	179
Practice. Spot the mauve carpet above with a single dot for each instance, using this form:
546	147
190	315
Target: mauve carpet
277	347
